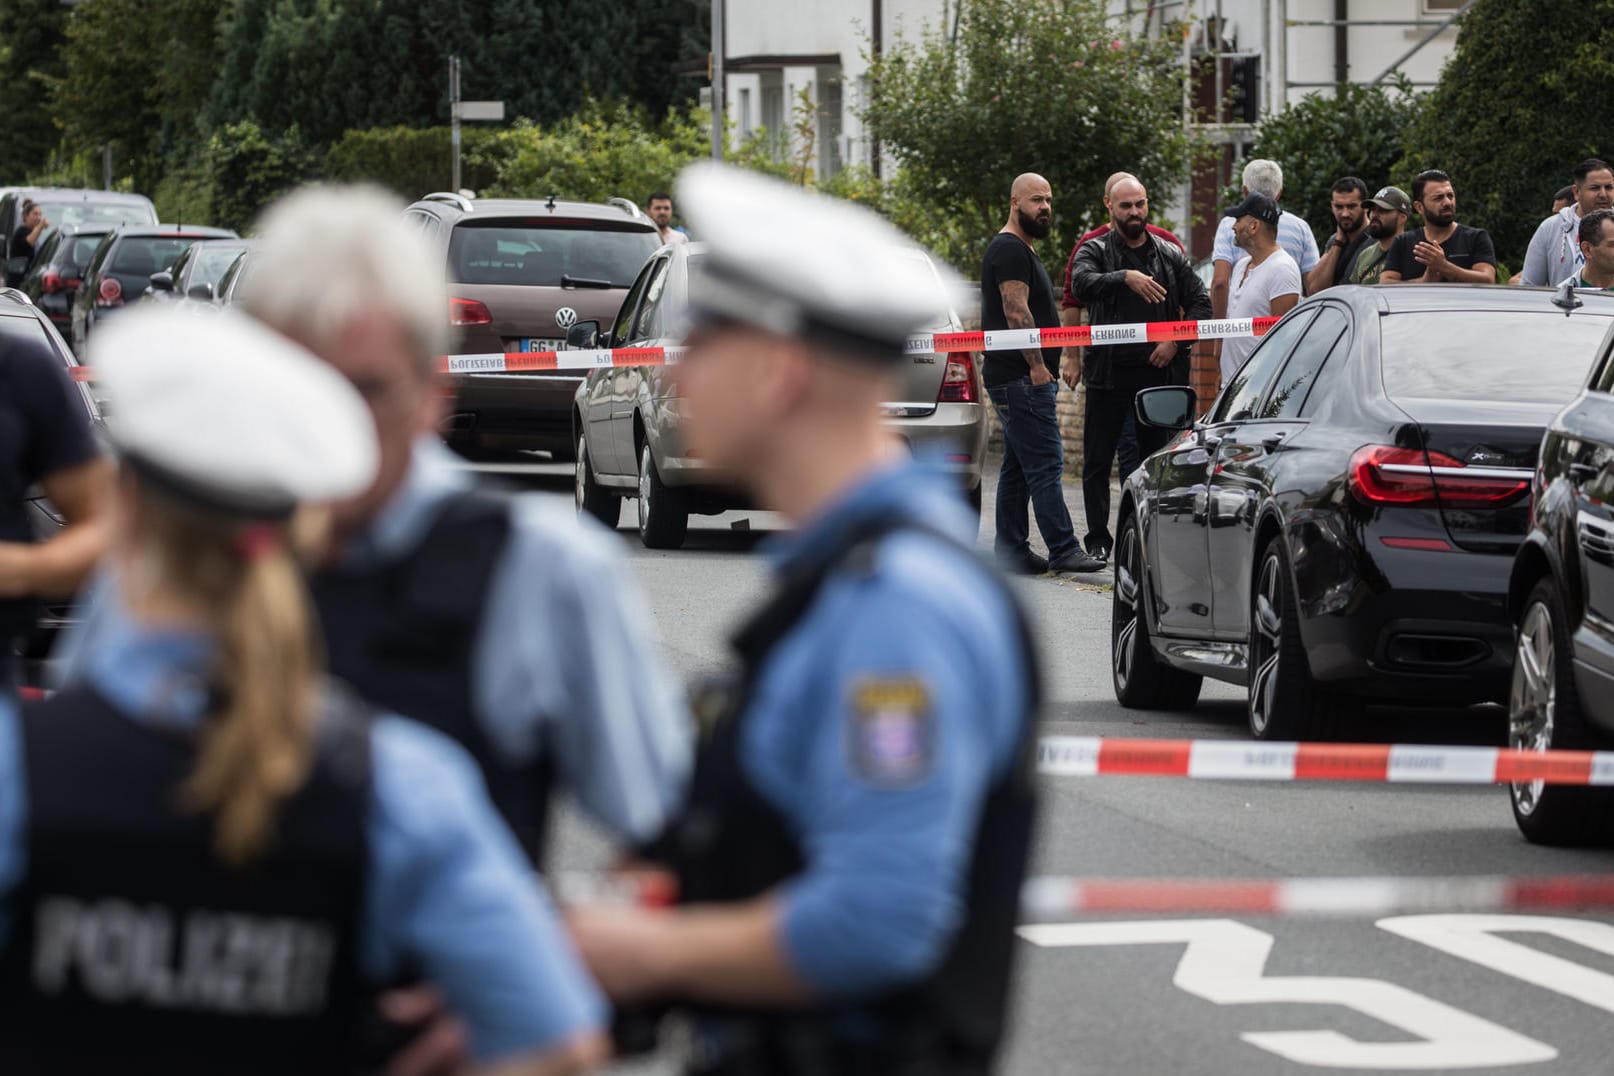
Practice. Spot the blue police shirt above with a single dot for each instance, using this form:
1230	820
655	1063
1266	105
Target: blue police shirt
878	726
565	656
449	888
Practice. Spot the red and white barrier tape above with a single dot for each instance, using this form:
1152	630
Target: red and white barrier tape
1154	332
1242	760
1045	900
918	344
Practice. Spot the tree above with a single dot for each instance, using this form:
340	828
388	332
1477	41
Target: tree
247	169
31	36
1509	122
1029	86
1357	131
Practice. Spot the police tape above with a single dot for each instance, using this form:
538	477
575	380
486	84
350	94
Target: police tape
1153	332
1046	900
1238	760
1055	899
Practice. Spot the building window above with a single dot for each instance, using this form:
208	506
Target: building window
773	118
745	114
1441	7
829	125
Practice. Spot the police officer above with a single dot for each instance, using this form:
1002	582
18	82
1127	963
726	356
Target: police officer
857	835
208	854
45	441
502	621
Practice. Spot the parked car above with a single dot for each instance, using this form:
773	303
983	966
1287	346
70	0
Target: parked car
197	273
58	268
521	273
626	422
121	268
1561	597
1340	527
235	278
68	208
20	319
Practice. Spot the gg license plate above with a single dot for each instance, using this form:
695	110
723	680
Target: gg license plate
535	344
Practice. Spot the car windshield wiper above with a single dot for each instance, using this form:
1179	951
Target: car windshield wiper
569	281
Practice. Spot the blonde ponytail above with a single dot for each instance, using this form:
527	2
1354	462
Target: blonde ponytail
257	747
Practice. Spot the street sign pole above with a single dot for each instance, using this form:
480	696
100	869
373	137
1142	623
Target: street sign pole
454	110
717	80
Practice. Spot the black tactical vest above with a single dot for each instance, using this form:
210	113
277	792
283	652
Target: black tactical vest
129	948
732	844
403	635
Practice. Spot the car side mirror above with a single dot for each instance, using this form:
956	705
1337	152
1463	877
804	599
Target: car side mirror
584	336
202	293
1168	407
163	281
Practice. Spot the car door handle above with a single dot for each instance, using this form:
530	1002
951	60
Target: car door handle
1582	472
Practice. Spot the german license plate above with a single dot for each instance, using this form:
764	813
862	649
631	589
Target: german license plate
535	344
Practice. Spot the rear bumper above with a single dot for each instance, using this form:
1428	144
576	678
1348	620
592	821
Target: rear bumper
1439	632
956	430
515	411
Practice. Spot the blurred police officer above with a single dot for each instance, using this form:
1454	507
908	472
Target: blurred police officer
504	621
856	839
45	441
208	856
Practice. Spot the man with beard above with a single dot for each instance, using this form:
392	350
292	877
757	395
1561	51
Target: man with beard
1597	248
1387	219
1266	281
1125	277
1442	251
1348	204
1554	252
1017	294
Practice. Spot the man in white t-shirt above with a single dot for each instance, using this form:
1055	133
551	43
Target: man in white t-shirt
1266	281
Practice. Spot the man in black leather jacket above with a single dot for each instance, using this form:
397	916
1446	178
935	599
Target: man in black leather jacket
1124	277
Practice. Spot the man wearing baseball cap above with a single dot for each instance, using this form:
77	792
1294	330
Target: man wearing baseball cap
1266	281
1387	213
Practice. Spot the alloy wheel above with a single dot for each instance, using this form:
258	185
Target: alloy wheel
1266	643
645	463
1124	626
580	474
1533	697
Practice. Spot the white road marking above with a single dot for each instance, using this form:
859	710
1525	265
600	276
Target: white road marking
1473	938
1223	964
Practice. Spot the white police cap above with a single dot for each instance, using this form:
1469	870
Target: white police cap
792	262
230	414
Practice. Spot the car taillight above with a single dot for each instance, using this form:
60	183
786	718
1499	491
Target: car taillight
468	312
53	283
110	293
1381	474
958	383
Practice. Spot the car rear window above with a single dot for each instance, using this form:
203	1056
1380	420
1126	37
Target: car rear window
118	214
212	263
540	254
141	254
1510	355
78	250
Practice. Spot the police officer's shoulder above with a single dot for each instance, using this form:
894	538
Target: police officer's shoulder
921	577
421	776
563	537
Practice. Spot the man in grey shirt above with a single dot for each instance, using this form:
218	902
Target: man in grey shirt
1554	252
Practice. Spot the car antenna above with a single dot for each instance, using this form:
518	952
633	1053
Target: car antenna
550	205
1566	300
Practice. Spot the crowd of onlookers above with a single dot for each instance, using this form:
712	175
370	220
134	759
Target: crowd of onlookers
1264	260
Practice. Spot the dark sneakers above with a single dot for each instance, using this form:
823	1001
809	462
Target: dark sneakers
1024	563
1078	561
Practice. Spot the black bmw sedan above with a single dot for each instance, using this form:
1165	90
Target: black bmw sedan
1562	599
1340	527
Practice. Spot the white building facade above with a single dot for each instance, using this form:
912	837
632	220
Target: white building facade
1283	49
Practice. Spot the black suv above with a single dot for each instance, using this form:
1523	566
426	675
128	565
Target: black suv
1561	596
58	269
521	273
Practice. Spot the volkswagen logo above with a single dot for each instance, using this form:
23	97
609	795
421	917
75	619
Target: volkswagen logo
565	317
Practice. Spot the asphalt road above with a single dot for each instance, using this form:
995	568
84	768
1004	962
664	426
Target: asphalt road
1253	995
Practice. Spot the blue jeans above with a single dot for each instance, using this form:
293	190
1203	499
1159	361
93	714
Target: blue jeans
1033	469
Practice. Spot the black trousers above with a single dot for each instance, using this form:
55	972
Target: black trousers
1105	419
